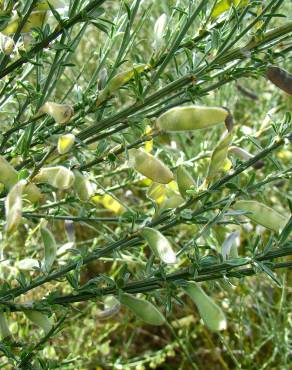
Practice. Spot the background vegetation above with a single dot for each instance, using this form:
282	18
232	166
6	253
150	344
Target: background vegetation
211	53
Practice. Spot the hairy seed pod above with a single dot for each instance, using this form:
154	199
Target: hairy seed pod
9	177
262	214
62	113
118	81
159	244
6	44
59	177
245	155
210	312
43	5
39	319
145	310
50	248
219	156
280	78
150	166
65	143
82	186
184	180
36	19
4	329
192	117
111	307
13	206
159	28
27	264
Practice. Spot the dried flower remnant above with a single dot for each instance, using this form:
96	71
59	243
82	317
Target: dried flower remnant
62	113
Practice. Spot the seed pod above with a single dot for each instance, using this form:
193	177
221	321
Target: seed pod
50	248
82	186
59	177
160	246
13	206
159	28
149	166
145	310
36	19
210	312
39	319
218	157
65	143
190	118
4	329
6	44
243	154
9	177
118	81
280	78
111	308
171	202
262	214
43	5
229	249
184	181
62	113
27	264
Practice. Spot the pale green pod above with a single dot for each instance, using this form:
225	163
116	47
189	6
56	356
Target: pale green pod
184	180
219	156
172	202
82	186
188	118
59	177
159	28
62	113
27	264
159	245
210	312
39	319
50	248
150	166
4	329
13	206
65	143
145	310
9	177
6	44
118	81
262	214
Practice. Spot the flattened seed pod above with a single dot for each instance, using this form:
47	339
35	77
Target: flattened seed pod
159	244
150	166
62	113
262	214
39	319
210	312
65	143
118	81
219	157
145	310
4	329
6	44
9	177
59	177
82	186
50	248
184	180
192	117
13	206
280	78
